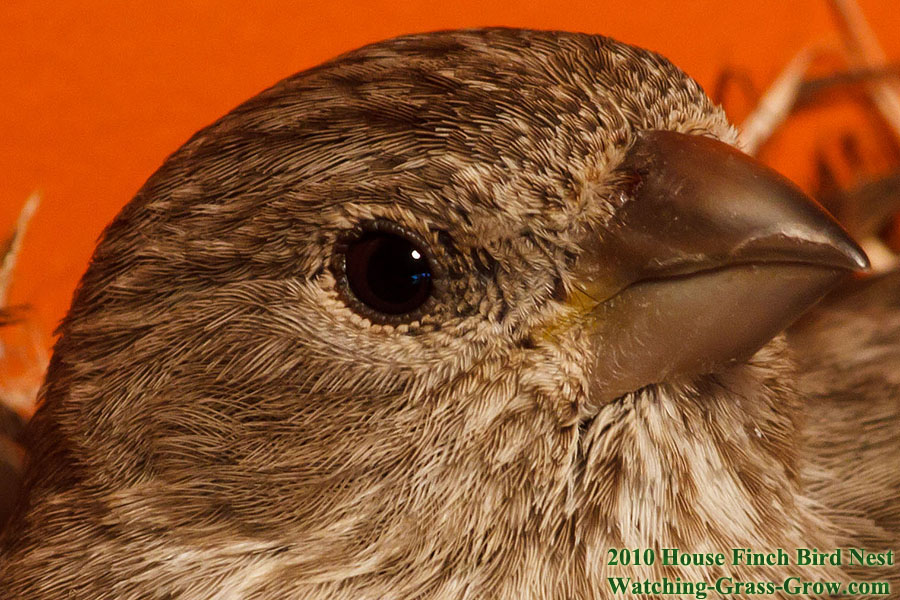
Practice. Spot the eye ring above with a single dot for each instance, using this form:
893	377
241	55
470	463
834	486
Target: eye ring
386	273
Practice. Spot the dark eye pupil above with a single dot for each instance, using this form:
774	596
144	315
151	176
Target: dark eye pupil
388	273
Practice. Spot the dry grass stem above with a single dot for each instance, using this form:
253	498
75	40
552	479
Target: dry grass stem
14	245
866	52
775	105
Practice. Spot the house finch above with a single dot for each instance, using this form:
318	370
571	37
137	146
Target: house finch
452	316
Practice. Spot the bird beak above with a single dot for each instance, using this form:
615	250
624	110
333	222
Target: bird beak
711	255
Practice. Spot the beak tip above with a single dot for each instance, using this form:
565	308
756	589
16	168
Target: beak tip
861	261
851	255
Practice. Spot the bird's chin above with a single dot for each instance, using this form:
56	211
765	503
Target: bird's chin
682	326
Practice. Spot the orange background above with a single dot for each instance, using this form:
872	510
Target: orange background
94	94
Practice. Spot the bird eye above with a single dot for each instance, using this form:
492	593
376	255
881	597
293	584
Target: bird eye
387	270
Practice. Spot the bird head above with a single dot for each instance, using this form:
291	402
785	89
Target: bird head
455	309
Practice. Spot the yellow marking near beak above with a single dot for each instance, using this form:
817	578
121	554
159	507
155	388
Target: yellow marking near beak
579	305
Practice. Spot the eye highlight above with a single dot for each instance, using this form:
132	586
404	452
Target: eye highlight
384	272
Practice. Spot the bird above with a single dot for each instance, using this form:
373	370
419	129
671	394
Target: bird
490	313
